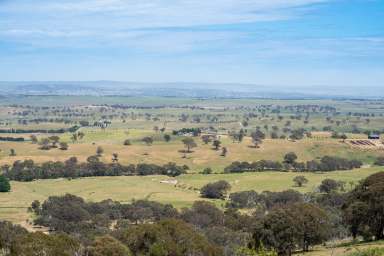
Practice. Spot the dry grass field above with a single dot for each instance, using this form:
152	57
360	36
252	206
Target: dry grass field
160	152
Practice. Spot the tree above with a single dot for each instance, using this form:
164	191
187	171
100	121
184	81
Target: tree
80	135
108	246
216	144
224	151
299	225
257	138
297	134
99	151
115	157
5	186
45	144
290	158
38	243
63	145
380	161
216	190
343	137
189	143
329	185
364	209
12	152
148	140
167	137
35	206
206	139
127	142
274	135
203	214
300	181
207	170
74	137
54	140
166	237
34	139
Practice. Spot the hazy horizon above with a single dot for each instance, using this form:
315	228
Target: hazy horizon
188	90
278	42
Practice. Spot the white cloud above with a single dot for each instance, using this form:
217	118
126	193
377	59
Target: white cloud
138	14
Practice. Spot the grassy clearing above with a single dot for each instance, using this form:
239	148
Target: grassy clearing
13	205
343	250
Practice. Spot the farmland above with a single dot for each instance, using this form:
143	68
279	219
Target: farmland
114	130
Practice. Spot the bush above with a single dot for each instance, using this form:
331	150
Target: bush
380	161
207	170
5	186
63	146
300	181
216	190
329	185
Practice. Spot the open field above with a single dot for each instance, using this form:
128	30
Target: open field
161	152
124	189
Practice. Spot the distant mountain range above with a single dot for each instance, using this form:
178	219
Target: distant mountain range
189	90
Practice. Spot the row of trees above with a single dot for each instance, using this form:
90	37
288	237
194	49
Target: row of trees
15	139
326	163
27	170
61	130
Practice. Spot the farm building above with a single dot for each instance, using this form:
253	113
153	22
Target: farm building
374	136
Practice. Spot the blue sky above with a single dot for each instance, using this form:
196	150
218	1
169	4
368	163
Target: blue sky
277	42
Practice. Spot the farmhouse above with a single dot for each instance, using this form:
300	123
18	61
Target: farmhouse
374	136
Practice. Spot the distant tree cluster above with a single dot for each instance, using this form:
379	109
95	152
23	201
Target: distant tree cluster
184	131
265	200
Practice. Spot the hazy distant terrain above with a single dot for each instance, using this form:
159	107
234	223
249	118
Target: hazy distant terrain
183	89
